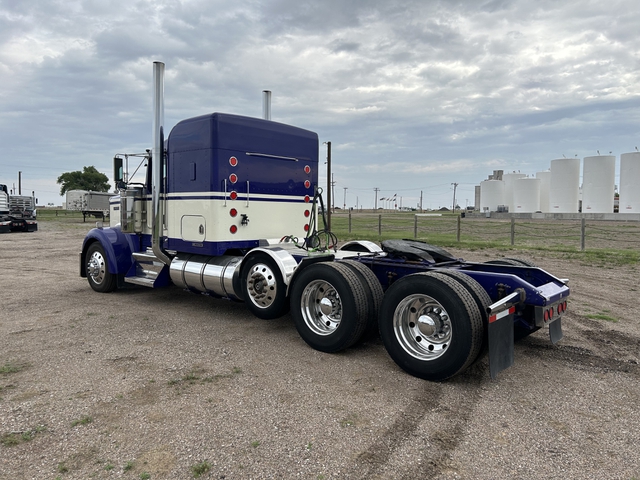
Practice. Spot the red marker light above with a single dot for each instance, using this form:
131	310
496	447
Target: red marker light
306	227
233	161
307	184
307	213
233	212
307	199
233	195
233	229
307	169
233	178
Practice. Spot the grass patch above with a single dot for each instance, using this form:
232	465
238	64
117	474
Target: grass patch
145	476
128	466
200	469
255	443
10	367
602	316
62	468
86	420
13	438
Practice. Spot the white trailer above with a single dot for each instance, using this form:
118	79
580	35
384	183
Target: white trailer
89	203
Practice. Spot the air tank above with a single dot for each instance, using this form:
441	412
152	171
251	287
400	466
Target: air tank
598	184
526	195
491	195
629	201
545	187
509	182
564	185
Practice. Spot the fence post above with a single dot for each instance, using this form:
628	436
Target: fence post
583	234
513	231
349	221
415	226
380	225
458	230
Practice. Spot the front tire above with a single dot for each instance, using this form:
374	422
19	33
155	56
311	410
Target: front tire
98	274
431	325
329	306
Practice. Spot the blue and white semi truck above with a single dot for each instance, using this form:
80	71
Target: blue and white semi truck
227	207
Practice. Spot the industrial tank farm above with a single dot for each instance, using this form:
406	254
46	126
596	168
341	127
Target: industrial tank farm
562	190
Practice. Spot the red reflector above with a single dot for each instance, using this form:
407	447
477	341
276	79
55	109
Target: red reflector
233	161
307	184
233	212
307	169
233	178
233	195
546	315
233	229
306	227
307	213
307	199
551	312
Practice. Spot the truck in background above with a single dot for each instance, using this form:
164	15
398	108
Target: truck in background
17	212
228	207
88	202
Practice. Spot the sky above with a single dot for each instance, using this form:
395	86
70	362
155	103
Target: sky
414	96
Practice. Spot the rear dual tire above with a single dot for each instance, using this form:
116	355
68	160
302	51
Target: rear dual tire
431	325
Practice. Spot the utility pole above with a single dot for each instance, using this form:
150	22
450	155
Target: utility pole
420	200
344	204
329	183
333	196
376	204
455	185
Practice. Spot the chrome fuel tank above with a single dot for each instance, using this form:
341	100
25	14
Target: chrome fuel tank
213	275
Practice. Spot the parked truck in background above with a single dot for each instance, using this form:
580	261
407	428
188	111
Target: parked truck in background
17	212
228	207
88	202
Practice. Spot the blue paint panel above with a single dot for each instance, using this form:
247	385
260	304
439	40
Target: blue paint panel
209	141
117	246
208	248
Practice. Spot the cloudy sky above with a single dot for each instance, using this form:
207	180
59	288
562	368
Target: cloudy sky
414	95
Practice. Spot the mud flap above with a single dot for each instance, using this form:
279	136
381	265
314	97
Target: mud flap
555	331
500	333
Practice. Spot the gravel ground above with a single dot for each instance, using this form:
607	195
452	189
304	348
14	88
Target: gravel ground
151	384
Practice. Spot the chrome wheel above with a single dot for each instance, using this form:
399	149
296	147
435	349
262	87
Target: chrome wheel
96	267
321	307
422	327
262	285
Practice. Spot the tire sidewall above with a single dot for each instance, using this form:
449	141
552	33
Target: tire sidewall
279	306
457	353
340	338
109	282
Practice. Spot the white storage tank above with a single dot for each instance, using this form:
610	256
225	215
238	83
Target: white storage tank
545	187
509	182
564	185
598	184
629	201
526	195
491	195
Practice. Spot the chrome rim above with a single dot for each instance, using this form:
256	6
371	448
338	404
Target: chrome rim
321	307
422	327
96	268
262	286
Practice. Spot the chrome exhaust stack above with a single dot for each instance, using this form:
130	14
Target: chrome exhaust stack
157	164
266	104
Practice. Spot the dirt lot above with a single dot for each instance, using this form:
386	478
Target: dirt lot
151	384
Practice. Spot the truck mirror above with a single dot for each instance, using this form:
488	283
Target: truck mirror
118	174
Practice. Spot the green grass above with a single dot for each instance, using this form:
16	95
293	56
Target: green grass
128	466
145	476
602	316
255	444
200	469
85	420
559	237
11	367
13	439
